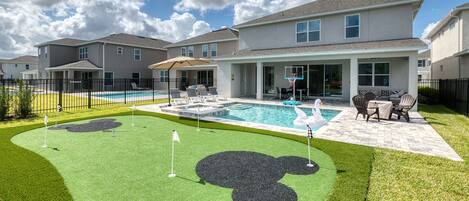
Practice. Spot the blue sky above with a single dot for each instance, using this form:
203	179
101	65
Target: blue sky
24	25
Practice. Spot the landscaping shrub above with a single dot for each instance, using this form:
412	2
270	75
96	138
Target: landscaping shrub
23	100
429	95
4	103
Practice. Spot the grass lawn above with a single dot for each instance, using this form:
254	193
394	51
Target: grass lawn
406	176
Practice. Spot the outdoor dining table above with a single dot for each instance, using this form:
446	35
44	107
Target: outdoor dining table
384	108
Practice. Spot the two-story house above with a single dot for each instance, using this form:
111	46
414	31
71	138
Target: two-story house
424	65
337	46
111	57
210	46
23	67
450	45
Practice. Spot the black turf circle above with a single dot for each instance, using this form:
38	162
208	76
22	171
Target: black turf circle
92	126
253	176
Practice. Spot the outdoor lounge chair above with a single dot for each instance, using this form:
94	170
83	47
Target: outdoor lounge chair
136	88
193	98
204	94
369	96
406	104
176	98
213	91
362	108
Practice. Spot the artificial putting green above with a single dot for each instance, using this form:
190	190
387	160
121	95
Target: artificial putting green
134	164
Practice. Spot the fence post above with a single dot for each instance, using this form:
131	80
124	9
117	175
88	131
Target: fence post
125	91
467	97
153	88
90	85
61	86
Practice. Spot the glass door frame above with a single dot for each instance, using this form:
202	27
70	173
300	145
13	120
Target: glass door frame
323	79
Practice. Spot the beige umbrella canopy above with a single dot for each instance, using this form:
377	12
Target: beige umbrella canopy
177	62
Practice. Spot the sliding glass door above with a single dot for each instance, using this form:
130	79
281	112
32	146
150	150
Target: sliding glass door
325	80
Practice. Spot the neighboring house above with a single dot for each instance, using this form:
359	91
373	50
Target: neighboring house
209	46
424	65
340	46
450	45
23	67
112	57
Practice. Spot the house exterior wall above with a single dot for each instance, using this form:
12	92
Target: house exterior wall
465	30
378	24
224	48
465	66
446	43
60	55
123	65
447	68
13	70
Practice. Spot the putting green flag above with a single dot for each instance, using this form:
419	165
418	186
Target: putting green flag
46	120
176	137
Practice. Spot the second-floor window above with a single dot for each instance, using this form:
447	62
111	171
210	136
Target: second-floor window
83	53
352	26
183	51
45	52
205	50
213	50
137	54
308	31
27	66
190	51
120	50
421	63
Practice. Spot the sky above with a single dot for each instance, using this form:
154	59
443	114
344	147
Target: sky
25	23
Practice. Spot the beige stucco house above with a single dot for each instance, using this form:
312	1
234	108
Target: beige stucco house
450	45
210	45
340	46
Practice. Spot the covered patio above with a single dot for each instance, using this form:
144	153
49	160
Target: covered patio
332	72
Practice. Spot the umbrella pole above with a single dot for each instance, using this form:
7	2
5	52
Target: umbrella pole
169	94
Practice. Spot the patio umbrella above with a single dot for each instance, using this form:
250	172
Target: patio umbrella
177	62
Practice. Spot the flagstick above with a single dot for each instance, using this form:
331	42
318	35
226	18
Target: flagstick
172	174
133	111
198	118
310	135
45	138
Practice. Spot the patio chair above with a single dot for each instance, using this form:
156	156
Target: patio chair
395	98
135	87
192	95
369	96
406	104
362	108
213	91
202	91
176	98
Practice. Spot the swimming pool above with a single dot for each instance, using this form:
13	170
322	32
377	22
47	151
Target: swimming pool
129	94
275	115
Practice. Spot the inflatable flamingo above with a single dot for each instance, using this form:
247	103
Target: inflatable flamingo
315	121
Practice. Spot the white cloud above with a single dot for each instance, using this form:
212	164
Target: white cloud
25	23
427	31
244	10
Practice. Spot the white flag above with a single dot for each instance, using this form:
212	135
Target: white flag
46	120
176	137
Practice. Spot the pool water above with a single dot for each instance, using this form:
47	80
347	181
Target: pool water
270	114
131	94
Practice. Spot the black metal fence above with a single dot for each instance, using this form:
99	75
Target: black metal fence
453	93
63	94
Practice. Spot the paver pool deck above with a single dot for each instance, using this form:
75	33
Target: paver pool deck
417	136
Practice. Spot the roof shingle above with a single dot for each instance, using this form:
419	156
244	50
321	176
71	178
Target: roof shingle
62	41
129	39
218	35
317	8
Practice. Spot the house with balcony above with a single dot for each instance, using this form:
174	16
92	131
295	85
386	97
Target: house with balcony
340	47
450	45
23	67
112	57
209	46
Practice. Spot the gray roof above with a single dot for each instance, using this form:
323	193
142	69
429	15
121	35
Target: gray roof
79	65
120	38
425	54
218	35
27	59
322	7
413	43
133	40
62	41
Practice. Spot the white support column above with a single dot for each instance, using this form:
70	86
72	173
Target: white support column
224	79
413	77
353	78
259	81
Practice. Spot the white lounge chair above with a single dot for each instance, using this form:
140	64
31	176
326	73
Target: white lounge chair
193	98
176	98
213	91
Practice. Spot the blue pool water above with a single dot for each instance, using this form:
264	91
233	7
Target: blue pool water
131	94
270	114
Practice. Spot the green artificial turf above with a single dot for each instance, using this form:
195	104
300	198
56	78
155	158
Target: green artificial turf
353	162
134	164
